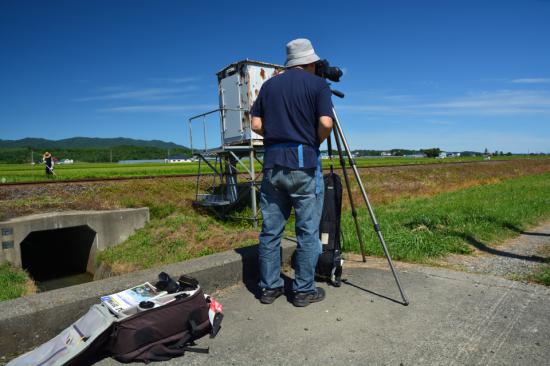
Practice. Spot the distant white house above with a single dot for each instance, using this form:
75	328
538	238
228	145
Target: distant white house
385	153
419	155
66	161
442	155
177	159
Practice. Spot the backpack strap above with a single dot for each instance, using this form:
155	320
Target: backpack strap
188	338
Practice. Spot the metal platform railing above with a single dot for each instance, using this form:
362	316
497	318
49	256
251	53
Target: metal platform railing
224	193
203	118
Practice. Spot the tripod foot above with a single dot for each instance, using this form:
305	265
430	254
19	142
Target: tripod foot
336	278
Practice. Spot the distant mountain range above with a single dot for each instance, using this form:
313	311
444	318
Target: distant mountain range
85	143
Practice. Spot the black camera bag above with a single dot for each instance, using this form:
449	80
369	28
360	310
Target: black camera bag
161	333
329	264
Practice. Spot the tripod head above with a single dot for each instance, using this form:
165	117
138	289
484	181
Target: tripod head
338	93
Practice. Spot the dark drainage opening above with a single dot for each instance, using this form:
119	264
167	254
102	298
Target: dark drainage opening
59	257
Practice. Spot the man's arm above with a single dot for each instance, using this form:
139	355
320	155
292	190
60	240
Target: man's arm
258	125
325	126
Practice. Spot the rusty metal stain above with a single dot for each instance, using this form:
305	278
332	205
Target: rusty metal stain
262	73
256	92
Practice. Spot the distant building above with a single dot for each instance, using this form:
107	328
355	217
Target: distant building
385	153
177	159
66	161
442	155
140	161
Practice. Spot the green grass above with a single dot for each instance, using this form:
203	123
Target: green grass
175	238
13	282
542	276
415	229
454	222
27	173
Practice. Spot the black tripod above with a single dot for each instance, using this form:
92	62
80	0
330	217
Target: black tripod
340	139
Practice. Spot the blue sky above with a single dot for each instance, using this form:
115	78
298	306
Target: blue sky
461	75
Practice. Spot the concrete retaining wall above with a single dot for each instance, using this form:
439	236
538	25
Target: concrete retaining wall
112	227
29	321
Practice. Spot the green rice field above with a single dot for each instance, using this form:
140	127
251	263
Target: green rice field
10	173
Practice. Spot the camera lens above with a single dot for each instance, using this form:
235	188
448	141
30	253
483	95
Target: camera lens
146	305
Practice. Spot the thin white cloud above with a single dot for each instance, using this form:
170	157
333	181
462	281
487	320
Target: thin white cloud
142	94
488	103
160	108
502	102
531	81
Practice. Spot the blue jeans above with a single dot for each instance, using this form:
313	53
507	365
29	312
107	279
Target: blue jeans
282	189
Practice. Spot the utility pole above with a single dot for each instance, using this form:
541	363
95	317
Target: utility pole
32	157
111	153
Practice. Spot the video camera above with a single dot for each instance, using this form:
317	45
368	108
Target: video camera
324	70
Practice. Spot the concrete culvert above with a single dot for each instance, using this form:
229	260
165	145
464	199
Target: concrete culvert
53	257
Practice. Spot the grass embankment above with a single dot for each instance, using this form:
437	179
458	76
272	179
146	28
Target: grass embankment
455	222
173	239
415	229
27	173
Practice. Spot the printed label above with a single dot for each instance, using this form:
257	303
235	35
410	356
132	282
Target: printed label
7	231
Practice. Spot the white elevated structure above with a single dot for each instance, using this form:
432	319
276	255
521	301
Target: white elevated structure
238	87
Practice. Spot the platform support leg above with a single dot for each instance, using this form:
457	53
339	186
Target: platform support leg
253	190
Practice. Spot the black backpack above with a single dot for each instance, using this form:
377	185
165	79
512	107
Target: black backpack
329	264
157	334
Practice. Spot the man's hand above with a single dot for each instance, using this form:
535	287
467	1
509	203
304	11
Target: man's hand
258	125
325	126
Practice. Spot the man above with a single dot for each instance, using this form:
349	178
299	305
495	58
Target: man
48	161
294	114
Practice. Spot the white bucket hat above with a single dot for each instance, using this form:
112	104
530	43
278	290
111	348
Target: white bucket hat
300	52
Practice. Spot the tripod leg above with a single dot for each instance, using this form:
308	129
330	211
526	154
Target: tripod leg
340	132
350	196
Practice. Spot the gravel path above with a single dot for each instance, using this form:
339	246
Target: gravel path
515	258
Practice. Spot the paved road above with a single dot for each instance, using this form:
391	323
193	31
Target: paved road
454	318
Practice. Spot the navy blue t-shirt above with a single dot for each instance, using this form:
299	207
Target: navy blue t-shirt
290	105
